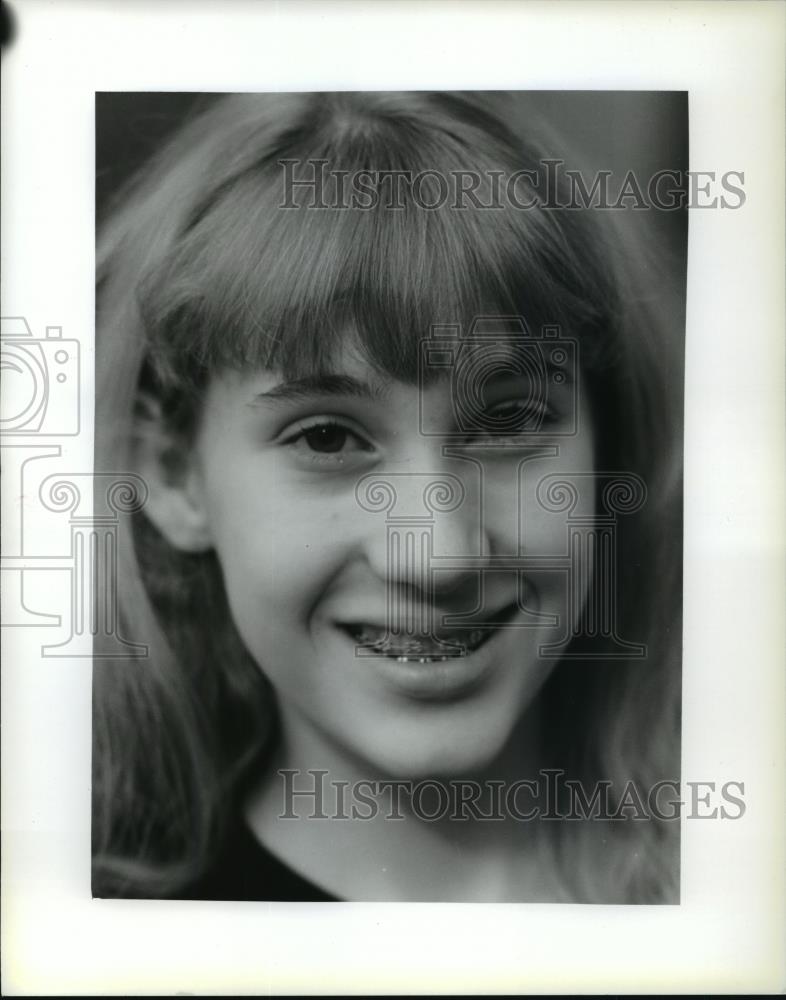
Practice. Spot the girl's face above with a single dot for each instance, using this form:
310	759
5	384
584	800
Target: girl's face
331	584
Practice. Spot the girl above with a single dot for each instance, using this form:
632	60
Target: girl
360	358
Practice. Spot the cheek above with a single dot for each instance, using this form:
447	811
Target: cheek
549	520
278	549
529	509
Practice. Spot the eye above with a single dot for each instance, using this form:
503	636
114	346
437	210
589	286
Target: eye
521	415
327	441
512	418
326	438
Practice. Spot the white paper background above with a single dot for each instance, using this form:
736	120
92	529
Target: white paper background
727	934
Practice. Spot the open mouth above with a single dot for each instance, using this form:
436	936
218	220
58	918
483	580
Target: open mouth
422	648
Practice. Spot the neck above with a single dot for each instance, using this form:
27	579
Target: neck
372	837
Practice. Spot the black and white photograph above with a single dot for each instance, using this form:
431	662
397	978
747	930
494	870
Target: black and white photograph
392	513
400	379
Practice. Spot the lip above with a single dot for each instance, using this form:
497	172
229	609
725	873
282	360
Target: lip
437	679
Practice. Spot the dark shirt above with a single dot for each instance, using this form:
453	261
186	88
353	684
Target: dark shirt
246	870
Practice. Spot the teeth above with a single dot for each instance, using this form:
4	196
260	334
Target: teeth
423	659
423	649
418	648
367	635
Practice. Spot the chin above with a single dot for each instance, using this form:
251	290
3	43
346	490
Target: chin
420	760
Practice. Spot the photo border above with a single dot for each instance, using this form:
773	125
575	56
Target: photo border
726	934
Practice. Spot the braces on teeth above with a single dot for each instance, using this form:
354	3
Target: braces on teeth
412	650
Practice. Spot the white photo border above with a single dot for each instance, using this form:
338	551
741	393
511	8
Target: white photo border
726	935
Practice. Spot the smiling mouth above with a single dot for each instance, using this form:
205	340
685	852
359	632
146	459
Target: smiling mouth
421	648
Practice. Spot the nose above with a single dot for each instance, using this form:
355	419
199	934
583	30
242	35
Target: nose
424	530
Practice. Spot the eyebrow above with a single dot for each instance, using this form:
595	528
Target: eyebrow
323	384
338	385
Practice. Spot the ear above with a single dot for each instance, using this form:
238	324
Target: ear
169	467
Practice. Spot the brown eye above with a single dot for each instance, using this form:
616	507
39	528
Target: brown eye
328	445
326	438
